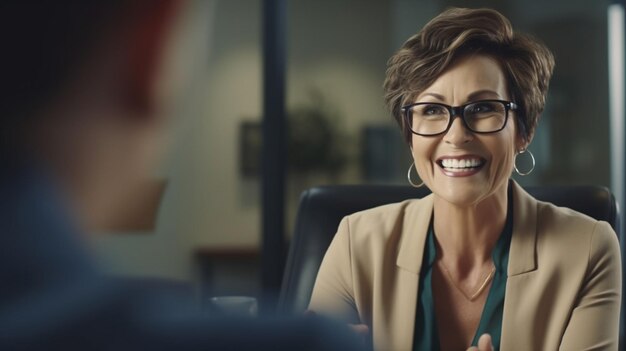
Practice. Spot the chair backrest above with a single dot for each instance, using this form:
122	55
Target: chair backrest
322	208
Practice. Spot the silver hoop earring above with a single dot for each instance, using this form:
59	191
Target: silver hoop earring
532	161
408	177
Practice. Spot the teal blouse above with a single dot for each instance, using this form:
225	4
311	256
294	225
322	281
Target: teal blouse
426	336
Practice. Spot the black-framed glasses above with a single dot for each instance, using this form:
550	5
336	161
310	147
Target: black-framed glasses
483	116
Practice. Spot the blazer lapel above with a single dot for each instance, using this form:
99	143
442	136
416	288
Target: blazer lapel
410	253
522	259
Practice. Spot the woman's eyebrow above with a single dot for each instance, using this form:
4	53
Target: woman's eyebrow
479	94
435	95
482	94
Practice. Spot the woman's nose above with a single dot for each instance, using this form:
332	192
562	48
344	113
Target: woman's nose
458	133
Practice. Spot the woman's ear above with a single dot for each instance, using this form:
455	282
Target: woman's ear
522	142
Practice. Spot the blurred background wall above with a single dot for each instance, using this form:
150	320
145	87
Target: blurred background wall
340	132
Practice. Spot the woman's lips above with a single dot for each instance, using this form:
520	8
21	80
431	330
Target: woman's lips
460	166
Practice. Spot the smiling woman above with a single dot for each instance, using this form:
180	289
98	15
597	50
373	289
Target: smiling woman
479	262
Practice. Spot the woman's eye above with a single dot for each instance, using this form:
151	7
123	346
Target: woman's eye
480	108
433	110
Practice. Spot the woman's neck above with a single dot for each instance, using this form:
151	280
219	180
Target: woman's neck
466	235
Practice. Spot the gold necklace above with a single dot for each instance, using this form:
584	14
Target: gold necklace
480	289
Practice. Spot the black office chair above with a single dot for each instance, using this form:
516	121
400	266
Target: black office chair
322	208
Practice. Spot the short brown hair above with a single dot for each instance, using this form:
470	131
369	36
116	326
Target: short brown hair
526	62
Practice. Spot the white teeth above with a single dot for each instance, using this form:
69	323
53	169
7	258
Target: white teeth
459	164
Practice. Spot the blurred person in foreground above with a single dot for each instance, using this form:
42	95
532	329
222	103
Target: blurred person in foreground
479	261
83	107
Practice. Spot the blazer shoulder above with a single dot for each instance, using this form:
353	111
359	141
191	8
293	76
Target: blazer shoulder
565	217
382	221
572	226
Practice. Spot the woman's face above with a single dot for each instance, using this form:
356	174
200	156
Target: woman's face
492	155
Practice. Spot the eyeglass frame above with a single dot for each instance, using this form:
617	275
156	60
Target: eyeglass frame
459	111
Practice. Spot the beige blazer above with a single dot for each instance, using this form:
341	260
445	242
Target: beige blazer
564	276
